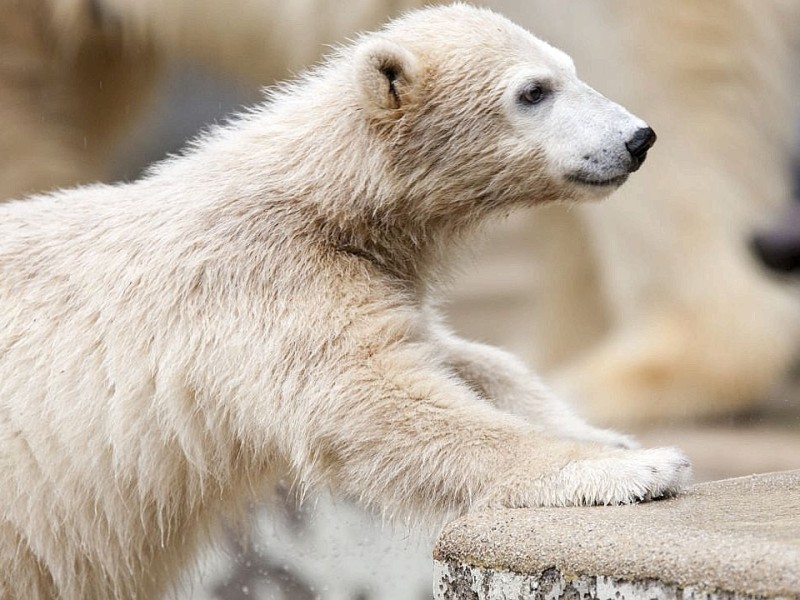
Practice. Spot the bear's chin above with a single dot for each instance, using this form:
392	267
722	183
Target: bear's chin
593	189
593	181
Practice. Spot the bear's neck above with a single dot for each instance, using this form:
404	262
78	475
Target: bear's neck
311	176
418	254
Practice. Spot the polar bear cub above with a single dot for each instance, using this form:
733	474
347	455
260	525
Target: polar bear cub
265	306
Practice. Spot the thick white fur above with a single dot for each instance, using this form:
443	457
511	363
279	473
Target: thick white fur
263	305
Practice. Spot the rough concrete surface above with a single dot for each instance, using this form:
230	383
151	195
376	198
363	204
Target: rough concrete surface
736	538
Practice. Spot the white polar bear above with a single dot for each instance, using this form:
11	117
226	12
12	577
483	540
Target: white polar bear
265	304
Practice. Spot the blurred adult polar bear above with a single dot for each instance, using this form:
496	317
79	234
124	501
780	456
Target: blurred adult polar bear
649	308
646	309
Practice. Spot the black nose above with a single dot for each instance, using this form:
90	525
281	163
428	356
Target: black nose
639	144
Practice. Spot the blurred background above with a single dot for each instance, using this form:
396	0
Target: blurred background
671	310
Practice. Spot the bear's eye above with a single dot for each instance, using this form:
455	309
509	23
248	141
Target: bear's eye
533	93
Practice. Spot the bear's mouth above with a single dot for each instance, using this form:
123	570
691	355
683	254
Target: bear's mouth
596	182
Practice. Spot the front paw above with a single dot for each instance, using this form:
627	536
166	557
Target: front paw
610	476
624	477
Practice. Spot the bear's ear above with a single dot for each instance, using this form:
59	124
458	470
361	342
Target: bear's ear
387	74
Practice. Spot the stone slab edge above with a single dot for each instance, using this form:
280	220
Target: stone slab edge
456	581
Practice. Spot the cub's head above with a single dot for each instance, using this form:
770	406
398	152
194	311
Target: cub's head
470	107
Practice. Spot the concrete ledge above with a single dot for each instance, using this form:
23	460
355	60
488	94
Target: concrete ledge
731	539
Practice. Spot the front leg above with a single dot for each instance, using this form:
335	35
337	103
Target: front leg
504	380
410	438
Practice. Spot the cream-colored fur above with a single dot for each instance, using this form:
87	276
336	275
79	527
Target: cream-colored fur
264	305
